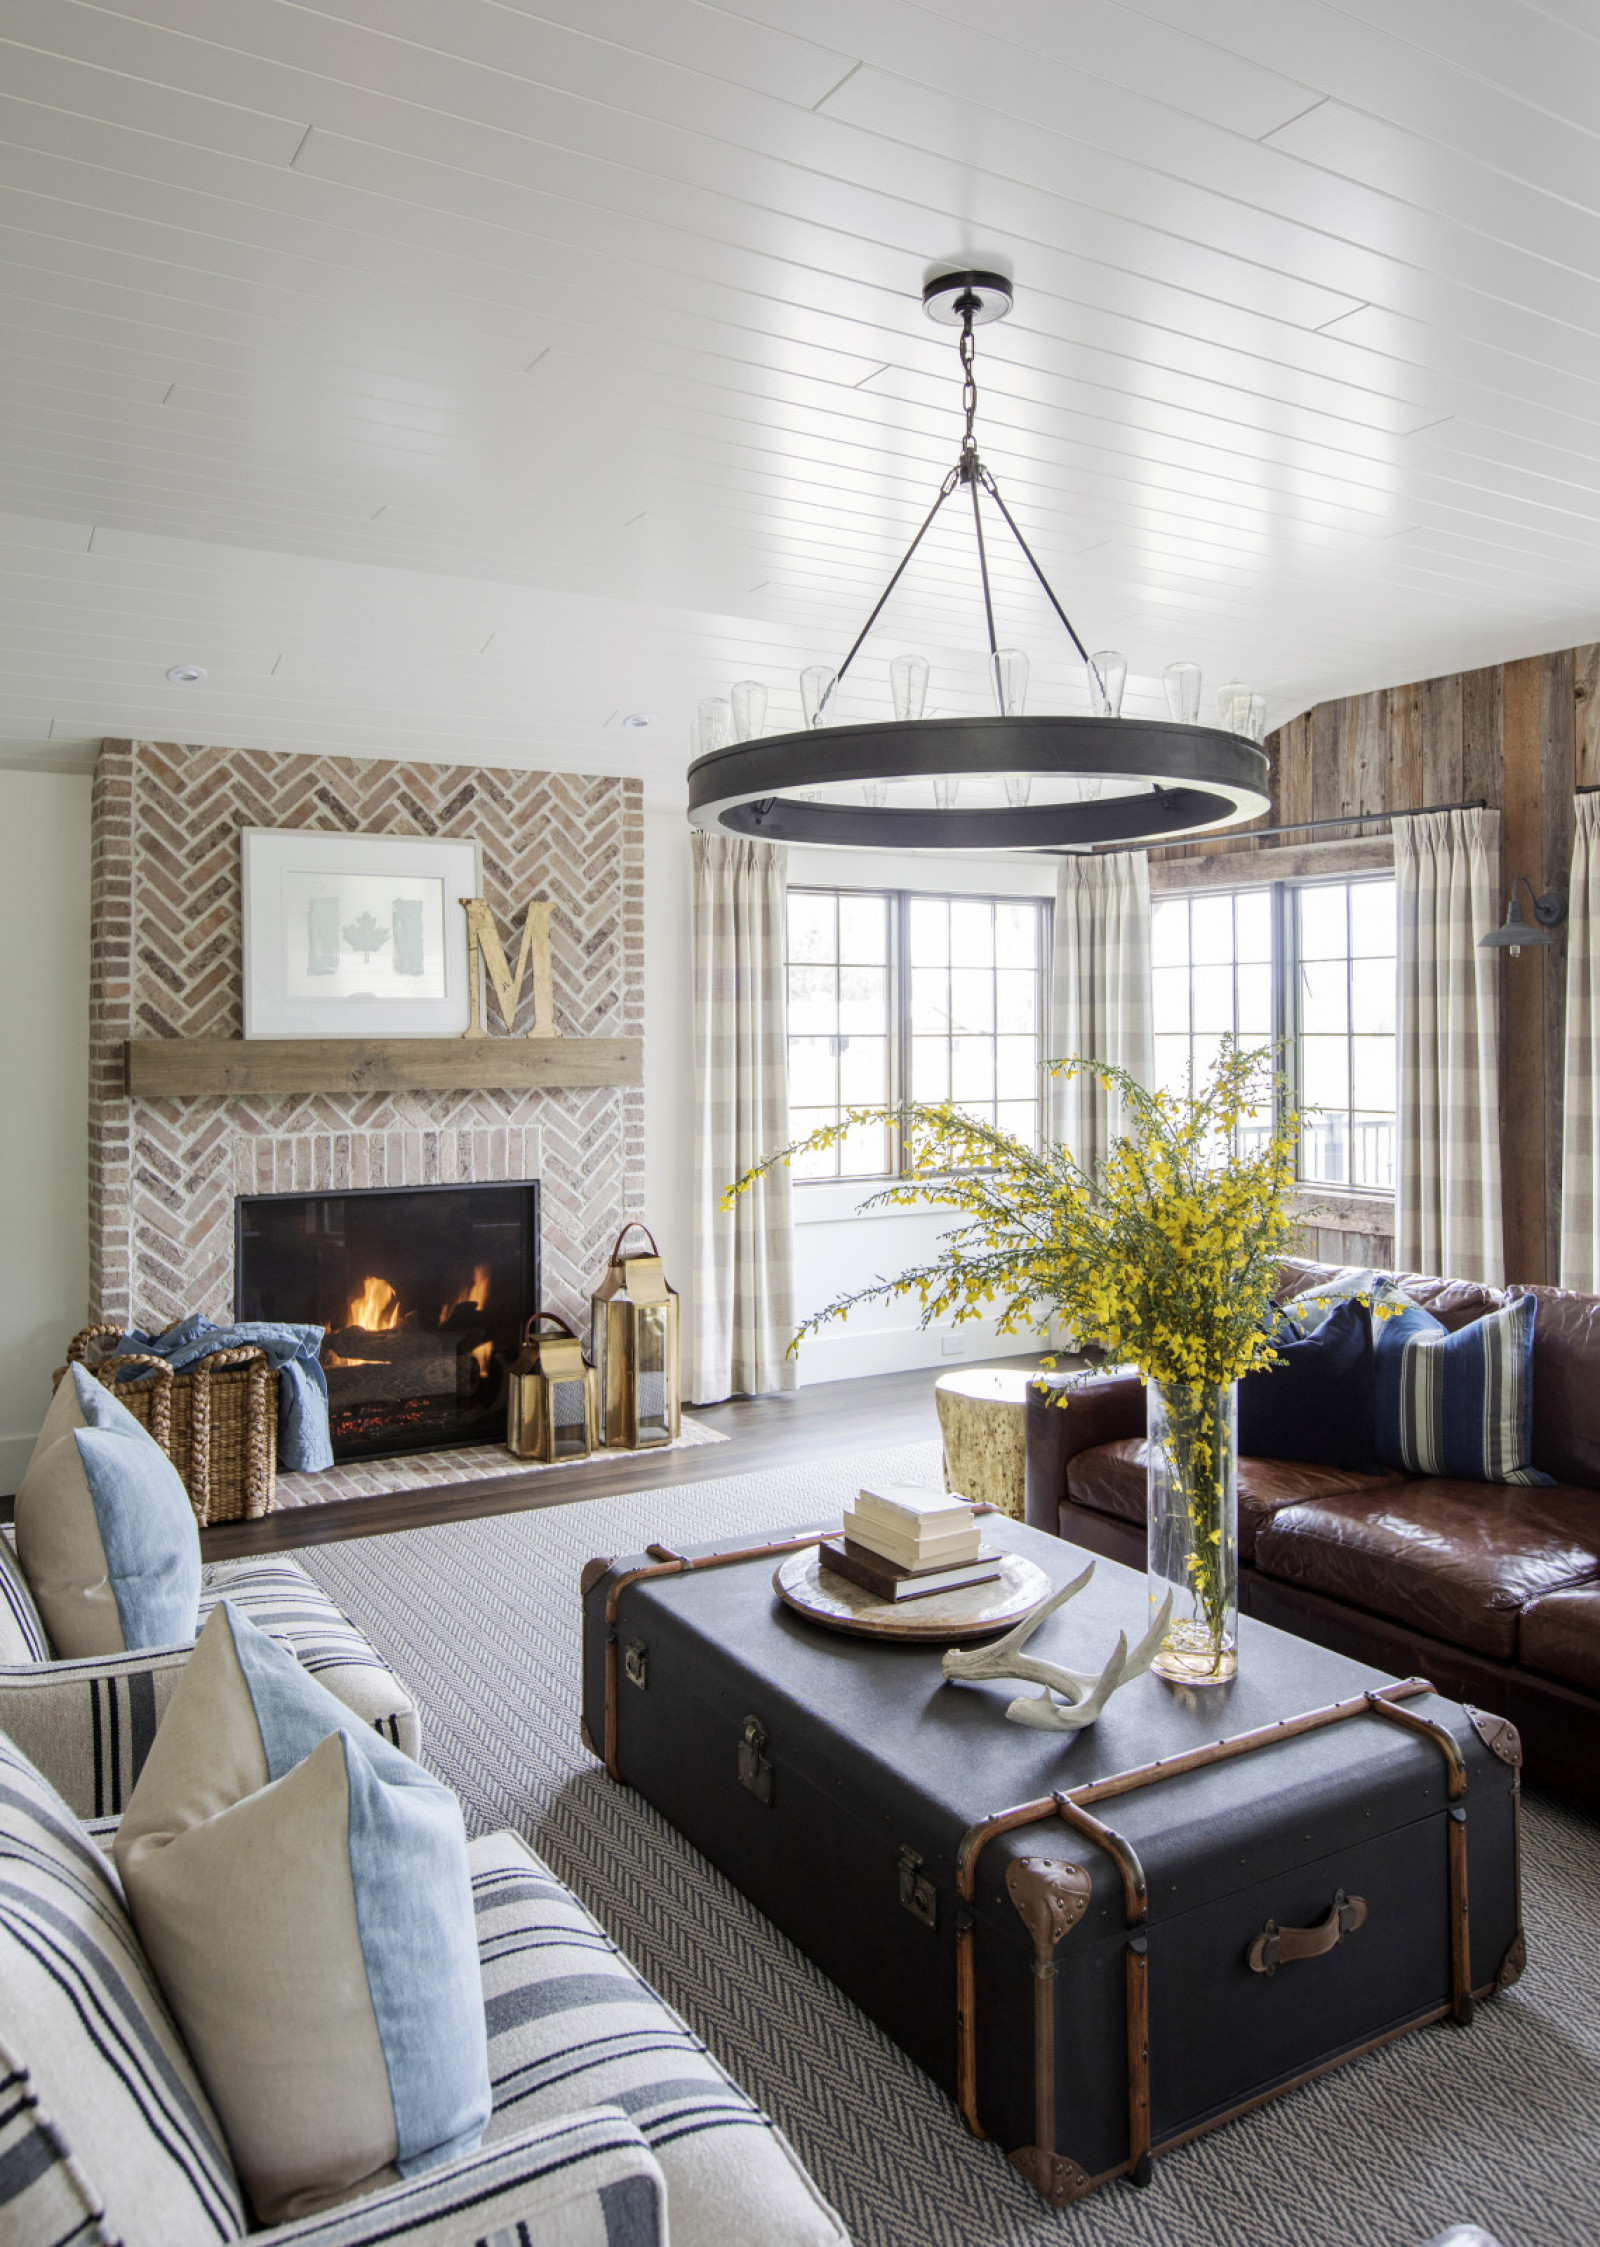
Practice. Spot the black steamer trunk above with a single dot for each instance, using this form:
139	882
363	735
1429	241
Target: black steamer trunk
1095	1958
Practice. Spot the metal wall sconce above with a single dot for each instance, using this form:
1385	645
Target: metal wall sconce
1549	911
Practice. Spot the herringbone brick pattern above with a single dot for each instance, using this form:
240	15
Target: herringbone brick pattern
166	963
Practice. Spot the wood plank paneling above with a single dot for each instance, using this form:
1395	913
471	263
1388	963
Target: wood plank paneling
1441	740
1586	696
1558	756
1406	780
1523	1079
1482	729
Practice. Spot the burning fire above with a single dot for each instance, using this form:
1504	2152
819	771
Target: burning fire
483	1356
376	1308
477	1295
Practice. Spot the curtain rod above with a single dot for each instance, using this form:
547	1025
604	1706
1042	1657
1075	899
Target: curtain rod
1305	826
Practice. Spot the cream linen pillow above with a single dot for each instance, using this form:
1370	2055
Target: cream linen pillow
301	1890
105	1534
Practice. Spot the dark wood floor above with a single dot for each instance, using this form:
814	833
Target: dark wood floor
815	1423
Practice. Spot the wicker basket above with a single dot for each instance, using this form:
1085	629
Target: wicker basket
217	1421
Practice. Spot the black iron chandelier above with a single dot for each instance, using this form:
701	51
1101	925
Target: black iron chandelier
1006	782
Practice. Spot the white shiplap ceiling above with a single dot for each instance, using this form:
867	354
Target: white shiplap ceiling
456	376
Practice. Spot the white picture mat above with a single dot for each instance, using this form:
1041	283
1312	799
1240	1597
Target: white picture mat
310	897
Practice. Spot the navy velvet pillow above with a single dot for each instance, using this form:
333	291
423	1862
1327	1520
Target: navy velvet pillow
1316	1404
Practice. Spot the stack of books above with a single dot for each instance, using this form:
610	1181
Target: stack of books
902	1542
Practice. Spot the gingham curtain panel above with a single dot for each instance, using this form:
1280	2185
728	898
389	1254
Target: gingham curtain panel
1100	1001
1580	1150
1447	880
742	1315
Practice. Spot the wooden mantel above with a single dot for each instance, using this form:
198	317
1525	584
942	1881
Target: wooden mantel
216	1068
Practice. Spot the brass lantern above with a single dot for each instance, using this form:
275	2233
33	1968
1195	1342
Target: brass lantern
635	1342
553	1412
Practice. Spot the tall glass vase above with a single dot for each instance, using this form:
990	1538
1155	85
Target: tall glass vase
1193	1471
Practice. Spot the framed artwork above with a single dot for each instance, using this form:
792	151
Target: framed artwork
355	936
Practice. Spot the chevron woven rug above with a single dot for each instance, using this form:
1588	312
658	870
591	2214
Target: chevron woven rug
1498	2125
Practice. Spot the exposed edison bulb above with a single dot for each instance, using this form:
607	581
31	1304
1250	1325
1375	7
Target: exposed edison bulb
1107	673
817	684
1019	787
713	724
1008	673
908	683
1182	684
946	788
749	700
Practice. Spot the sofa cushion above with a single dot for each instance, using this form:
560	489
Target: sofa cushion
281	1599
571	2025
105	1533
289	1870
1560	1634
107	2087
1457	1560
1111	1480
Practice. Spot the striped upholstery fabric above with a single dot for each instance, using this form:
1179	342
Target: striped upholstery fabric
572	2023
280	1599
586	2180
1458	1404
108	2140
108	2106
22	1633
88	1724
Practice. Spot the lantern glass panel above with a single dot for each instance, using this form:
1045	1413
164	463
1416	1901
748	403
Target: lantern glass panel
567	1419
651	1331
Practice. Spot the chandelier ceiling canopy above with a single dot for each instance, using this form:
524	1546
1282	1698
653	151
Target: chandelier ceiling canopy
1004	782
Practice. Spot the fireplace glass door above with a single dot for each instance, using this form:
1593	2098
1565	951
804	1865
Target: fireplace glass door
424	1292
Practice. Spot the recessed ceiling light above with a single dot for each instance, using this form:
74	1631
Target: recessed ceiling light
638	718
186	675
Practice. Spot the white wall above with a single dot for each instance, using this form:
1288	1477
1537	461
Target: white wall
835	1249
44	1035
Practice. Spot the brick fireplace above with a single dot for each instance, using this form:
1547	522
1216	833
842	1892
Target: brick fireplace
164	1174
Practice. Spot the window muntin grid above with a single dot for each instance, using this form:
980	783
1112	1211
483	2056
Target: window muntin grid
842	1020
1309	964
1344	1032
940	995
1211	977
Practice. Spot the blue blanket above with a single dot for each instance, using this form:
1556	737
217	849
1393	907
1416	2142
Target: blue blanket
304	1444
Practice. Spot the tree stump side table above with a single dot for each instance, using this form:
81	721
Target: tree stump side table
983	1420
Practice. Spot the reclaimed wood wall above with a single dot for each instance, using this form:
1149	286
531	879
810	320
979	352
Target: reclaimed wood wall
1522	737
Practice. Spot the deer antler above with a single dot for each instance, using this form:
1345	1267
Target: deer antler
1085	1695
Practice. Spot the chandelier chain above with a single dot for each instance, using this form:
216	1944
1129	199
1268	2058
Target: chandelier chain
970	470
969	382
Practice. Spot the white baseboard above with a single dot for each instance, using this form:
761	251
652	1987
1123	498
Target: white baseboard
902	1349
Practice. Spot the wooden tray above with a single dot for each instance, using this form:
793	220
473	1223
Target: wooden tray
976	1611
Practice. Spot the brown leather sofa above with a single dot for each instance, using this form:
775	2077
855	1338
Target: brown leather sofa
1490	1590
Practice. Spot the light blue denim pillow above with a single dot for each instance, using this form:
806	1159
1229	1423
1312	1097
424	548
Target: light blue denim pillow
146	1523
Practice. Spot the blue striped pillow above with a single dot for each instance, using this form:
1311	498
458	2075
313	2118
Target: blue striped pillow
1458	1404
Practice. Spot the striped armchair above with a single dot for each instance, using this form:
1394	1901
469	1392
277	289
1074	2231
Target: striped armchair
87	1724
608	2113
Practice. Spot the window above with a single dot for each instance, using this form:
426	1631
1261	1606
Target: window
1211	975
1311	964
1343	1031
897	995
